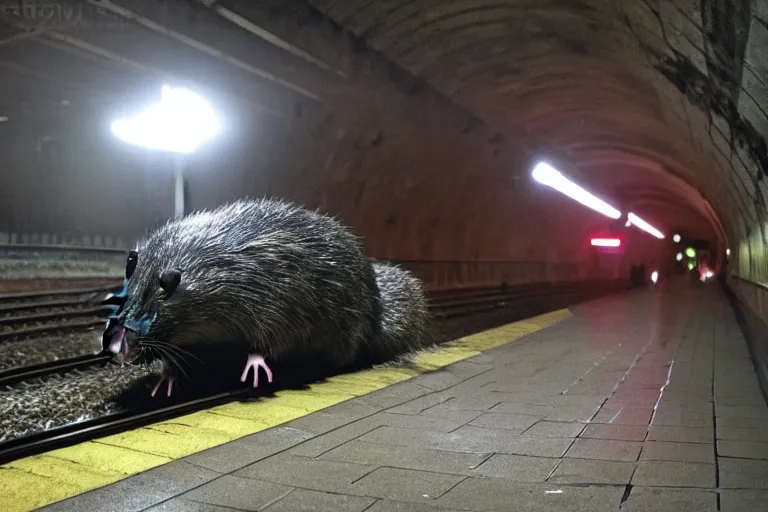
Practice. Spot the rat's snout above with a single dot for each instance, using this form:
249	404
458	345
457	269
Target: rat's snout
140	325
120	342
124	336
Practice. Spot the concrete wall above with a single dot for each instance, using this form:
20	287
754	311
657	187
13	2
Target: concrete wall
414	186
416	176
750	301
746	277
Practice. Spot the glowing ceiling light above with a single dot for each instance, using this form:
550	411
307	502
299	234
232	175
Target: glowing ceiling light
690	252
676	238
654	276
628	223
548	175
606	242
679	256
179	123
637	221
727	252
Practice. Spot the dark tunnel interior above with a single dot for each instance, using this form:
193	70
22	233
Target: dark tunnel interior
562	149
416	123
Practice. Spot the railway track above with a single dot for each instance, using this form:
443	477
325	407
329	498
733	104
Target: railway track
24	315
21	318
59	311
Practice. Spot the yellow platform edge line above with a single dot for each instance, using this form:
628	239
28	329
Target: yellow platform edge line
39	480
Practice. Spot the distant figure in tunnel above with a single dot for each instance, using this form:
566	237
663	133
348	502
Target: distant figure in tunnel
284	280
637	274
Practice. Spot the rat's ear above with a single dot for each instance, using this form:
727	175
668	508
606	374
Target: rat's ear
130	264
169	281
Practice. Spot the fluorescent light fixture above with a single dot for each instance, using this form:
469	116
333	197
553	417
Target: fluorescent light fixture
654	276
179	123
679	256
637	221
3	119
676	238
548	175
606	242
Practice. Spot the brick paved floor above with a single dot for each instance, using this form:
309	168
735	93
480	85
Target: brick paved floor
646	402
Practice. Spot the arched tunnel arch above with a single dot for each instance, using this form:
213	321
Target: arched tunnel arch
569	75
417	123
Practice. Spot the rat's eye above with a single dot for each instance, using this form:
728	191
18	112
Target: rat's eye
169	281
130	265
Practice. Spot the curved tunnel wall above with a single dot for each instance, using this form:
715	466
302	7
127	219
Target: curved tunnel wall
416	174
406	176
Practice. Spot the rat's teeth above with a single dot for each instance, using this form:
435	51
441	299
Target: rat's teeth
118	343
115	346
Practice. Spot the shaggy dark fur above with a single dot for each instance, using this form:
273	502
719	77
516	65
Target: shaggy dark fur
405	320
283	279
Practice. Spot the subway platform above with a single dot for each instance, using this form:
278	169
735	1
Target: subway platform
647	401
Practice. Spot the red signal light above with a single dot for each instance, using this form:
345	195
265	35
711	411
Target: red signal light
606	242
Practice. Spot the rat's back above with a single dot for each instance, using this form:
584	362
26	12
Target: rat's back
285	278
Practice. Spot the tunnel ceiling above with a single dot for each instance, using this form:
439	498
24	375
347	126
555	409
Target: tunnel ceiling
660	105
643	94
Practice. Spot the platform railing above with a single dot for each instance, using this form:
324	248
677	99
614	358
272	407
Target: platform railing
60	252
749	300
28	258
28	251
452	274
78	240
757	284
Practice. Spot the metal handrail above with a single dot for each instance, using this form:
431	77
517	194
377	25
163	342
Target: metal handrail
62	247
764	286
436	274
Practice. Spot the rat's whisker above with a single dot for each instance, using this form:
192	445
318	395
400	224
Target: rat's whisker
174	359
178	350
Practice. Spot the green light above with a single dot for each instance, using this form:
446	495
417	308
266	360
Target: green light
690	265
690	252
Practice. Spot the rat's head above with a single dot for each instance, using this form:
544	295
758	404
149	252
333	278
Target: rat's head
151	314
196	281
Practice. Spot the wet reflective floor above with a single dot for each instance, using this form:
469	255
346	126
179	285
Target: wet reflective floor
646	401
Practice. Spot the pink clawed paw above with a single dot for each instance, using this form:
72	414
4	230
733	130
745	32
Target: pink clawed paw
170	381
256	361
